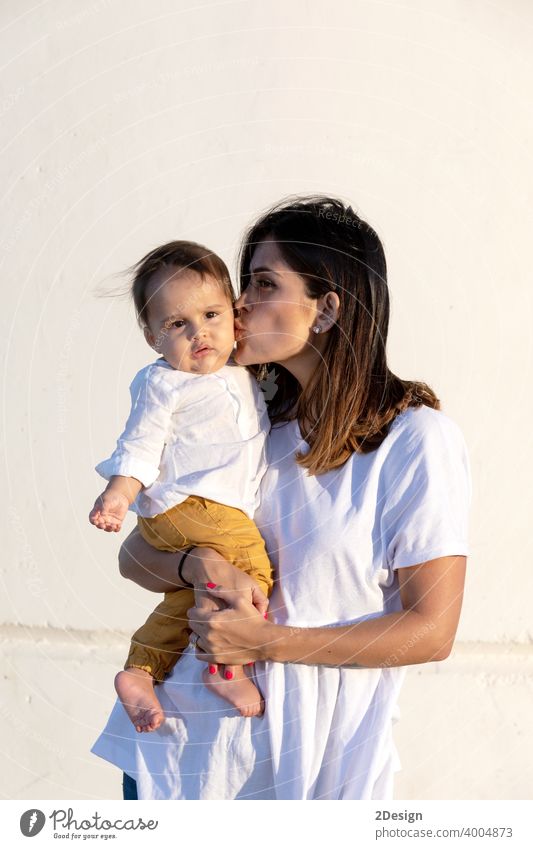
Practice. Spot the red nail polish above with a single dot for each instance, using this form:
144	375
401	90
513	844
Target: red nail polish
212	670
211	585
228	675
250	664
266	615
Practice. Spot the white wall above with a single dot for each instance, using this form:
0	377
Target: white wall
129	123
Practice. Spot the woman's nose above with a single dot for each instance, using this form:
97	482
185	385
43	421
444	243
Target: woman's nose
241	302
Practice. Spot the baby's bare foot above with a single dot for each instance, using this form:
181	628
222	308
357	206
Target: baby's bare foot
135	688
240	691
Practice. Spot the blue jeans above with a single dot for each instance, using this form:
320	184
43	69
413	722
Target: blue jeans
129	787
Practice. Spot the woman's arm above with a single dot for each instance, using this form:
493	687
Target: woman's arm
423	631
157	570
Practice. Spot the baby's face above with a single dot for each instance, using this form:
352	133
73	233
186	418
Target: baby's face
190	320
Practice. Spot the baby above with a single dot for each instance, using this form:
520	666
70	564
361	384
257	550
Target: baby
189	462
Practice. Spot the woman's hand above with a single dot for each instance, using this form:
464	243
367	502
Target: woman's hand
204	566
207	569
237	635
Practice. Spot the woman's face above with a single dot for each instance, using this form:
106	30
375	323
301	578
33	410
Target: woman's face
276	314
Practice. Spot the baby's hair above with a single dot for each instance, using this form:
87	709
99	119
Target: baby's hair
183	256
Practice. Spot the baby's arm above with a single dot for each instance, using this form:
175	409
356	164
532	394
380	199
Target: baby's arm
135	462
111	506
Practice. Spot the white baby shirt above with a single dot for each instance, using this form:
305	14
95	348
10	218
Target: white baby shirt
192	434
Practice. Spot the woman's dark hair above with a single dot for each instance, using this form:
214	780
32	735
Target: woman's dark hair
182	255
353	398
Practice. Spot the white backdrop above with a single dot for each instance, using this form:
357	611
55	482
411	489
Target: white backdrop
127	124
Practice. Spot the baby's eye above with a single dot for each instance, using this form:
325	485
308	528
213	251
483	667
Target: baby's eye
178	323
211	314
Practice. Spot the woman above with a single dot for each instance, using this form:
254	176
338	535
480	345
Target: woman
363	510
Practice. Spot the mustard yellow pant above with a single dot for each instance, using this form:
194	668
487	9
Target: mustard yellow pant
158	645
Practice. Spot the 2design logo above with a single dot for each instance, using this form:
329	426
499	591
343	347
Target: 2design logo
32	822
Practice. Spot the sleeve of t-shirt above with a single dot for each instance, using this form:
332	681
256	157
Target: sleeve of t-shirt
140	446
427	492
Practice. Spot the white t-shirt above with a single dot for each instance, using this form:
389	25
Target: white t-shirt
335	541
192	434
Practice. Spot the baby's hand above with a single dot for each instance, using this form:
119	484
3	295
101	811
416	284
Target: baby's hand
109	511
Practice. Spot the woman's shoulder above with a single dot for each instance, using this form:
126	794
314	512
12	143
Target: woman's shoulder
425	486
415	430
419	424
422	436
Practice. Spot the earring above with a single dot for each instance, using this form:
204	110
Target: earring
316	328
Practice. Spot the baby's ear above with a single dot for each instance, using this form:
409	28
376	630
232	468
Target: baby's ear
149	336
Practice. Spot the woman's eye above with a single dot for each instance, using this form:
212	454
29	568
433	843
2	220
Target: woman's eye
263	283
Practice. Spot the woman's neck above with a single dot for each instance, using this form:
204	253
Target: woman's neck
303	367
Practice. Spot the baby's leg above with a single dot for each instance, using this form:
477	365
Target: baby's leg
155	649
198	521
240	691
230	532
